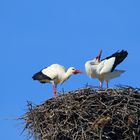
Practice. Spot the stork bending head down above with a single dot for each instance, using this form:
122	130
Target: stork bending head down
105	69
54	74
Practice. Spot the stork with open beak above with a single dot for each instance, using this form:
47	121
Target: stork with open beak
105	69
55	74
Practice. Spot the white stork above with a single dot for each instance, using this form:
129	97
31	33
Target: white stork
54	74
105	69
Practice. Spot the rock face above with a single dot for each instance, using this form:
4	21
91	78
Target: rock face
87	114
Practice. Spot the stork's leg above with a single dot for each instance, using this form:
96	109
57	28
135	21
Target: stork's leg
54	90
106	84
101	84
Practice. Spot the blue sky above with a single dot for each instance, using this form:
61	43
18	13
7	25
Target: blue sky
35	34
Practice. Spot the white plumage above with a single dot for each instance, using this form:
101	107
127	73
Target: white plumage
105	69
54	74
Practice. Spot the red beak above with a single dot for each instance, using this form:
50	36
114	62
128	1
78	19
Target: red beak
78	71
99	56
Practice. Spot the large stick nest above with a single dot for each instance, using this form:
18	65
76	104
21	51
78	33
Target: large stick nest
87	114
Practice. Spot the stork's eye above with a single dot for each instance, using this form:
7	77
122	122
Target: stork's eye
73	69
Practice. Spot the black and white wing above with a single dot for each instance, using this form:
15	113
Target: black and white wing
109	63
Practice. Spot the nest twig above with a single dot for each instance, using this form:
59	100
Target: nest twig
87	114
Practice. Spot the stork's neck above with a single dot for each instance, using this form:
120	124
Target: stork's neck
66	76
88	68
91	70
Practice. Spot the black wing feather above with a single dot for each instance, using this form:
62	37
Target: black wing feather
40	77
119	57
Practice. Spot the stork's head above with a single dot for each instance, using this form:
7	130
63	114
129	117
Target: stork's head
73	70
98	58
